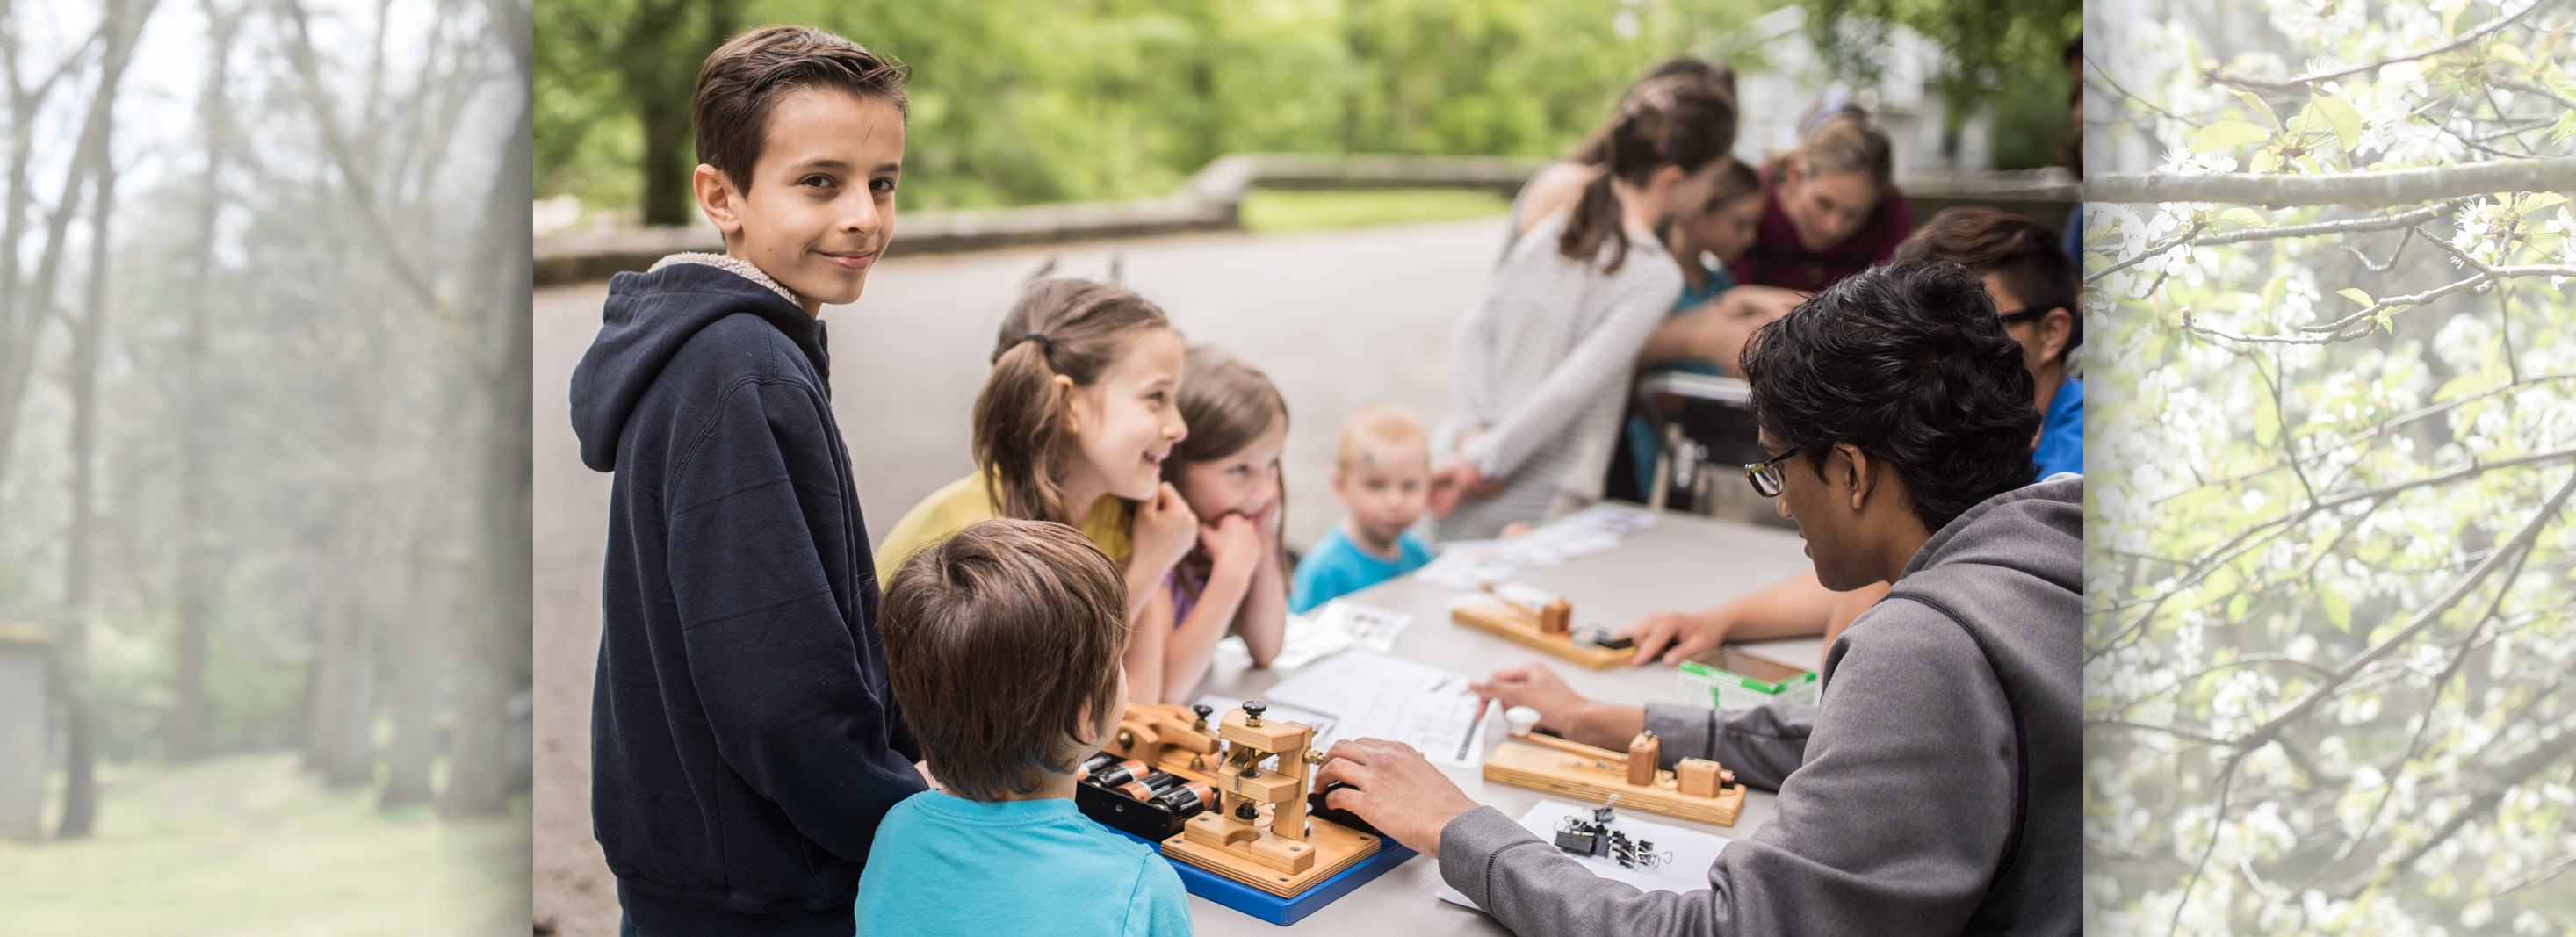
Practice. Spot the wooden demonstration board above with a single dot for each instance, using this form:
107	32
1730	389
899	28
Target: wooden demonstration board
1495	617
1593	780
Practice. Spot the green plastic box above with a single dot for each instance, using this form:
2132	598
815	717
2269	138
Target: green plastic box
1734	678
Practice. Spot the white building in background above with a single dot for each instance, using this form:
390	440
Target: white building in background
1780	75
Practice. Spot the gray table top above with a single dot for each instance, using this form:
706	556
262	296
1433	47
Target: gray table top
1683	562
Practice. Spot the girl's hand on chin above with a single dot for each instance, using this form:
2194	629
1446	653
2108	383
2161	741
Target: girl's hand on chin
1164	530
1232	541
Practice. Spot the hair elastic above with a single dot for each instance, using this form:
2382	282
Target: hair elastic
1041	339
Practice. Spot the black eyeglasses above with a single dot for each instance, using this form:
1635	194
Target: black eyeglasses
1765	475
2019	316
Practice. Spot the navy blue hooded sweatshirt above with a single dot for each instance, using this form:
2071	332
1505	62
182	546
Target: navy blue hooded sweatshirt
744	743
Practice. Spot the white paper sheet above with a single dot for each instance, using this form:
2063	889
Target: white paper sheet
1377	696
1469	564
1692	851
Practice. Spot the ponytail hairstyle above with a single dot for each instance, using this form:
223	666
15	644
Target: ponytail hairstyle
1595	148
1069	327
1673	121
1227	404
1842	140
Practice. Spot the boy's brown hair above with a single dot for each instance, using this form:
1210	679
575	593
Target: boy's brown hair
744	79
2022	253
1076	328
1004	645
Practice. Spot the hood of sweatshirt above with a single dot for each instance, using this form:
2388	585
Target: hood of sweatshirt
2036	530
649	317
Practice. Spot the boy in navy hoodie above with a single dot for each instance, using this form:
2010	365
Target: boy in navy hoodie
744	745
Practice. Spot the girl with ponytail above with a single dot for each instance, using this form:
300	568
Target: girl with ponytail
1073	426
1542	366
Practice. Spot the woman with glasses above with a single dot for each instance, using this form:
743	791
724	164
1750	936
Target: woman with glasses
1935	789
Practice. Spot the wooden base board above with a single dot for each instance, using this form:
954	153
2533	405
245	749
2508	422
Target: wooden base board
1337	847
1506	622
1556	772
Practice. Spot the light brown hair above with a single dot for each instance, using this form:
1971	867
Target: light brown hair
1378	423
1681	120
1843	141
742	80
1004	644
1075	328
1226	404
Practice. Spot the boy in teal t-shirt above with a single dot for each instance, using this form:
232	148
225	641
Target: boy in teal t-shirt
1382	477
1002	850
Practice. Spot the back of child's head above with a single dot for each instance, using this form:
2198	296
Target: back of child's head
1595	148
1004	644
1069	327
744	79
1227	404
1381	429
2025	255
1680	120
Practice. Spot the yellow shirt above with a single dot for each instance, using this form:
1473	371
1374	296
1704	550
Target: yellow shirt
964	502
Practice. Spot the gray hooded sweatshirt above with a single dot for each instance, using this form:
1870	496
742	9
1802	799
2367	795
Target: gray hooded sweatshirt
1933	790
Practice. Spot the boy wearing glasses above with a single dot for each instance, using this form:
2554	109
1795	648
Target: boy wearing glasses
1935	789
2033	284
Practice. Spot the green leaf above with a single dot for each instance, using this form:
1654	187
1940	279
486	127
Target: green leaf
2356	295
2564	128
2226	134
2462	386
2267	424
2245	216
2508	52
2339	113
2259	106
2537	201
2236	606
2338	609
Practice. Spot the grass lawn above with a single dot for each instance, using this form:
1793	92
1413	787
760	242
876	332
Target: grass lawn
1266	210
245	844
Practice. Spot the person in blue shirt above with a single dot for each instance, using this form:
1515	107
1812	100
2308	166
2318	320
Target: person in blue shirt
1005	642
1382	477
2033	286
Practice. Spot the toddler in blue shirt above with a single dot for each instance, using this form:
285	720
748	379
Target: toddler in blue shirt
1004	643
1382	477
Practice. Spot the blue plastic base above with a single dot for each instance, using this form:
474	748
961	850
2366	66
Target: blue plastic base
1270	907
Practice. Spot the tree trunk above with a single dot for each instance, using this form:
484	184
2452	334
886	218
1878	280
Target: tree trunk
80	796
187	726
338	746
495	634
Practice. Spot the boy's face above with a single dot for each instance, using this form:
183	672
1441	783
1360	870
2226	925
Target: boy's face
819	206
1245	482
1385	490
2041	339
1126	422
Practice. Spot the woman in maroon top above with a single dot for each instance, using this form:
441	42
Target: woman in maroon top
1830	208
